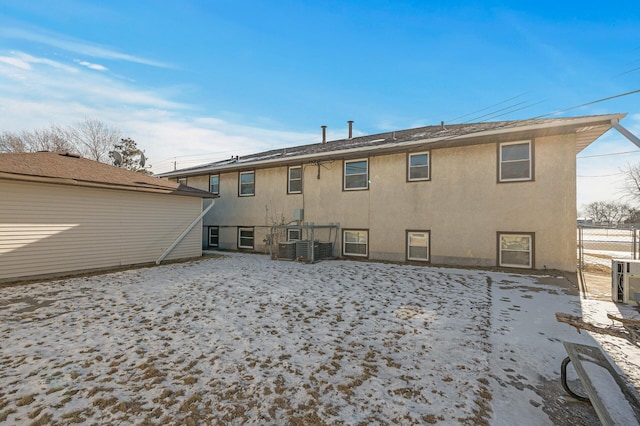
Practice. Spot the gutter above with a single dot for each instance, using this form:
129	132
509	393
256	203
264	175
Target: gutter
185	232
624	132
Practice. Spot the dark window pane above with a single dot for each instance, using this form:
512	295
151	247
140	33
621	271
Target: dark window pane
515	170
520	258
419	172
419	160
515	152
354	248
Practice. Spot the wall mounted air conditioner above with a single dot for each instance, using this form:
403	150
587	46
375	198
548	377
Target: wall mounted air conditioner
625	280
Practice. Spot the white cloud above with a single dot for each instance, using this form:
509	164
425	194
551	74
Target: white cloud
45	92
89	65
60	41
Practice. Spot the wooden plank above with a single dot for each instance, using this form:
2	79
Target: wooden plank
580	355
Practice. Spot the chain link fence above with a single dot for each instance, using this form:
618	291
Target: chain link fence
597	245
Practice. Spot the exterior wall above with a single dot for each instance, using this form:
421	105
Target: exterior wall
55	229
463	205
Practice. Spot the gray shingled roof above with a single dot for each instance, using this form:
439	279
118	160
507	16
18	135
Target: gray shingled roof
70	169
588	128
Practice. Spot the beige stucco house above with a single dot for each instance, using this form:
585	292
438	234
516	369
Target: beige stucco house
61	214
482	194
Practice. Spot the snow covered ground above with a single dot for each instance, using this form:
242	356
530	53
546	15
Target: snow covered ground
242	339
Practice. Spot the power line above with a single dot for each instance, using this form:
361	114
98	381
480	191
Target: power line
609	154
590	103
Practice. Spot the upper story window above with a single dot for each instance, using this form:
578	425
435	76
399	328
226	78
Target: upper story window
182	181
294	185
418	166
246	184
356	175
214	184
515	162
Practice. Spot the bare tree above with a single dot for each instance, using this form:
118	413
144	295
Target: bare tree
12	142
94	139
52	138
632	181
613	212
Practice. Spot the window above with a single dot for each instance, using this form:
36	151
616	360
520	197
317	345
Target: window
245	238
418	166
515	250
182	181
213	236
214	184
356	175
515	161
294	234
418	245
246	184
294	185
355	243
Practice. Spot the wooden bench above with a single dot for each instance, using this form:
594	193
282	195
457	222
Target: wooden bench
615	403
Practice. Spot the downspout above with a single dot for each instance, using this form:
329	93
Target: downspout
624	132
185	232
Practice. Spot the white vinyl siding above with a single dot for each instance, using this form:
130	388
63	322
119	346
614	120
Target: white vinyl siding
515	250
246	184
418	245
356	175
355	243
50	229
515	161
418	167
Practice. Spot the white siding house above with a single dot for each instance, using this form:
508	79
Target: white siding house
62	214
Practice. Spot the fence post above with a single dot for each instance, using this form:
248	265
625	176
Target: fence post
580	249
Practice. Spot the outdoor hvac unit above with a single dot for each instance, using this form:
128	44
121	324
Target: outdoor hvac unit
287	250
625	280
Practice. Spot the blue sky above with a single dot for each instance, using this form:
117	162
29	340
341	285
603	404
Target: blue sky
197	81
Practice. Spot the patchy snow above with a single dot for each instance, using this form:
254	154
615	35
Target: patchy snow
242	339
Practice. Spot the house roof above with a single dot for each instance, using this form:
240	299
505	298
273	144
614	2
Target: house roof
586	129
70	169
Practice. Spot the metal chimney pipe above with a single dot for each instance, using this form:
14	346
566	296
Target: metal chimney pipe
350	129
324	134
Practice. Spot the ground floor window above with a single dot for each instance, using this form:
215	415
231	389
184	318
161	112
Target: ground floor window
515	249
355	242
245	238
294	234
418	245
214	233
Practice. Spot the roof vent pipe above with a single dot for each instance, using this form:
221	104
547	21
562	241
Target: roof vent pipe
442	125
350	129
324	134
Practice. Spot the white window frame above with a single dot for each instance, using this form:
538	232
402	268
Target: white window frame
529	160
344	175
292	231
289	180
182	181
366	243
217	235
253	182
530	236
427	236
409	167
217	192
253	237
